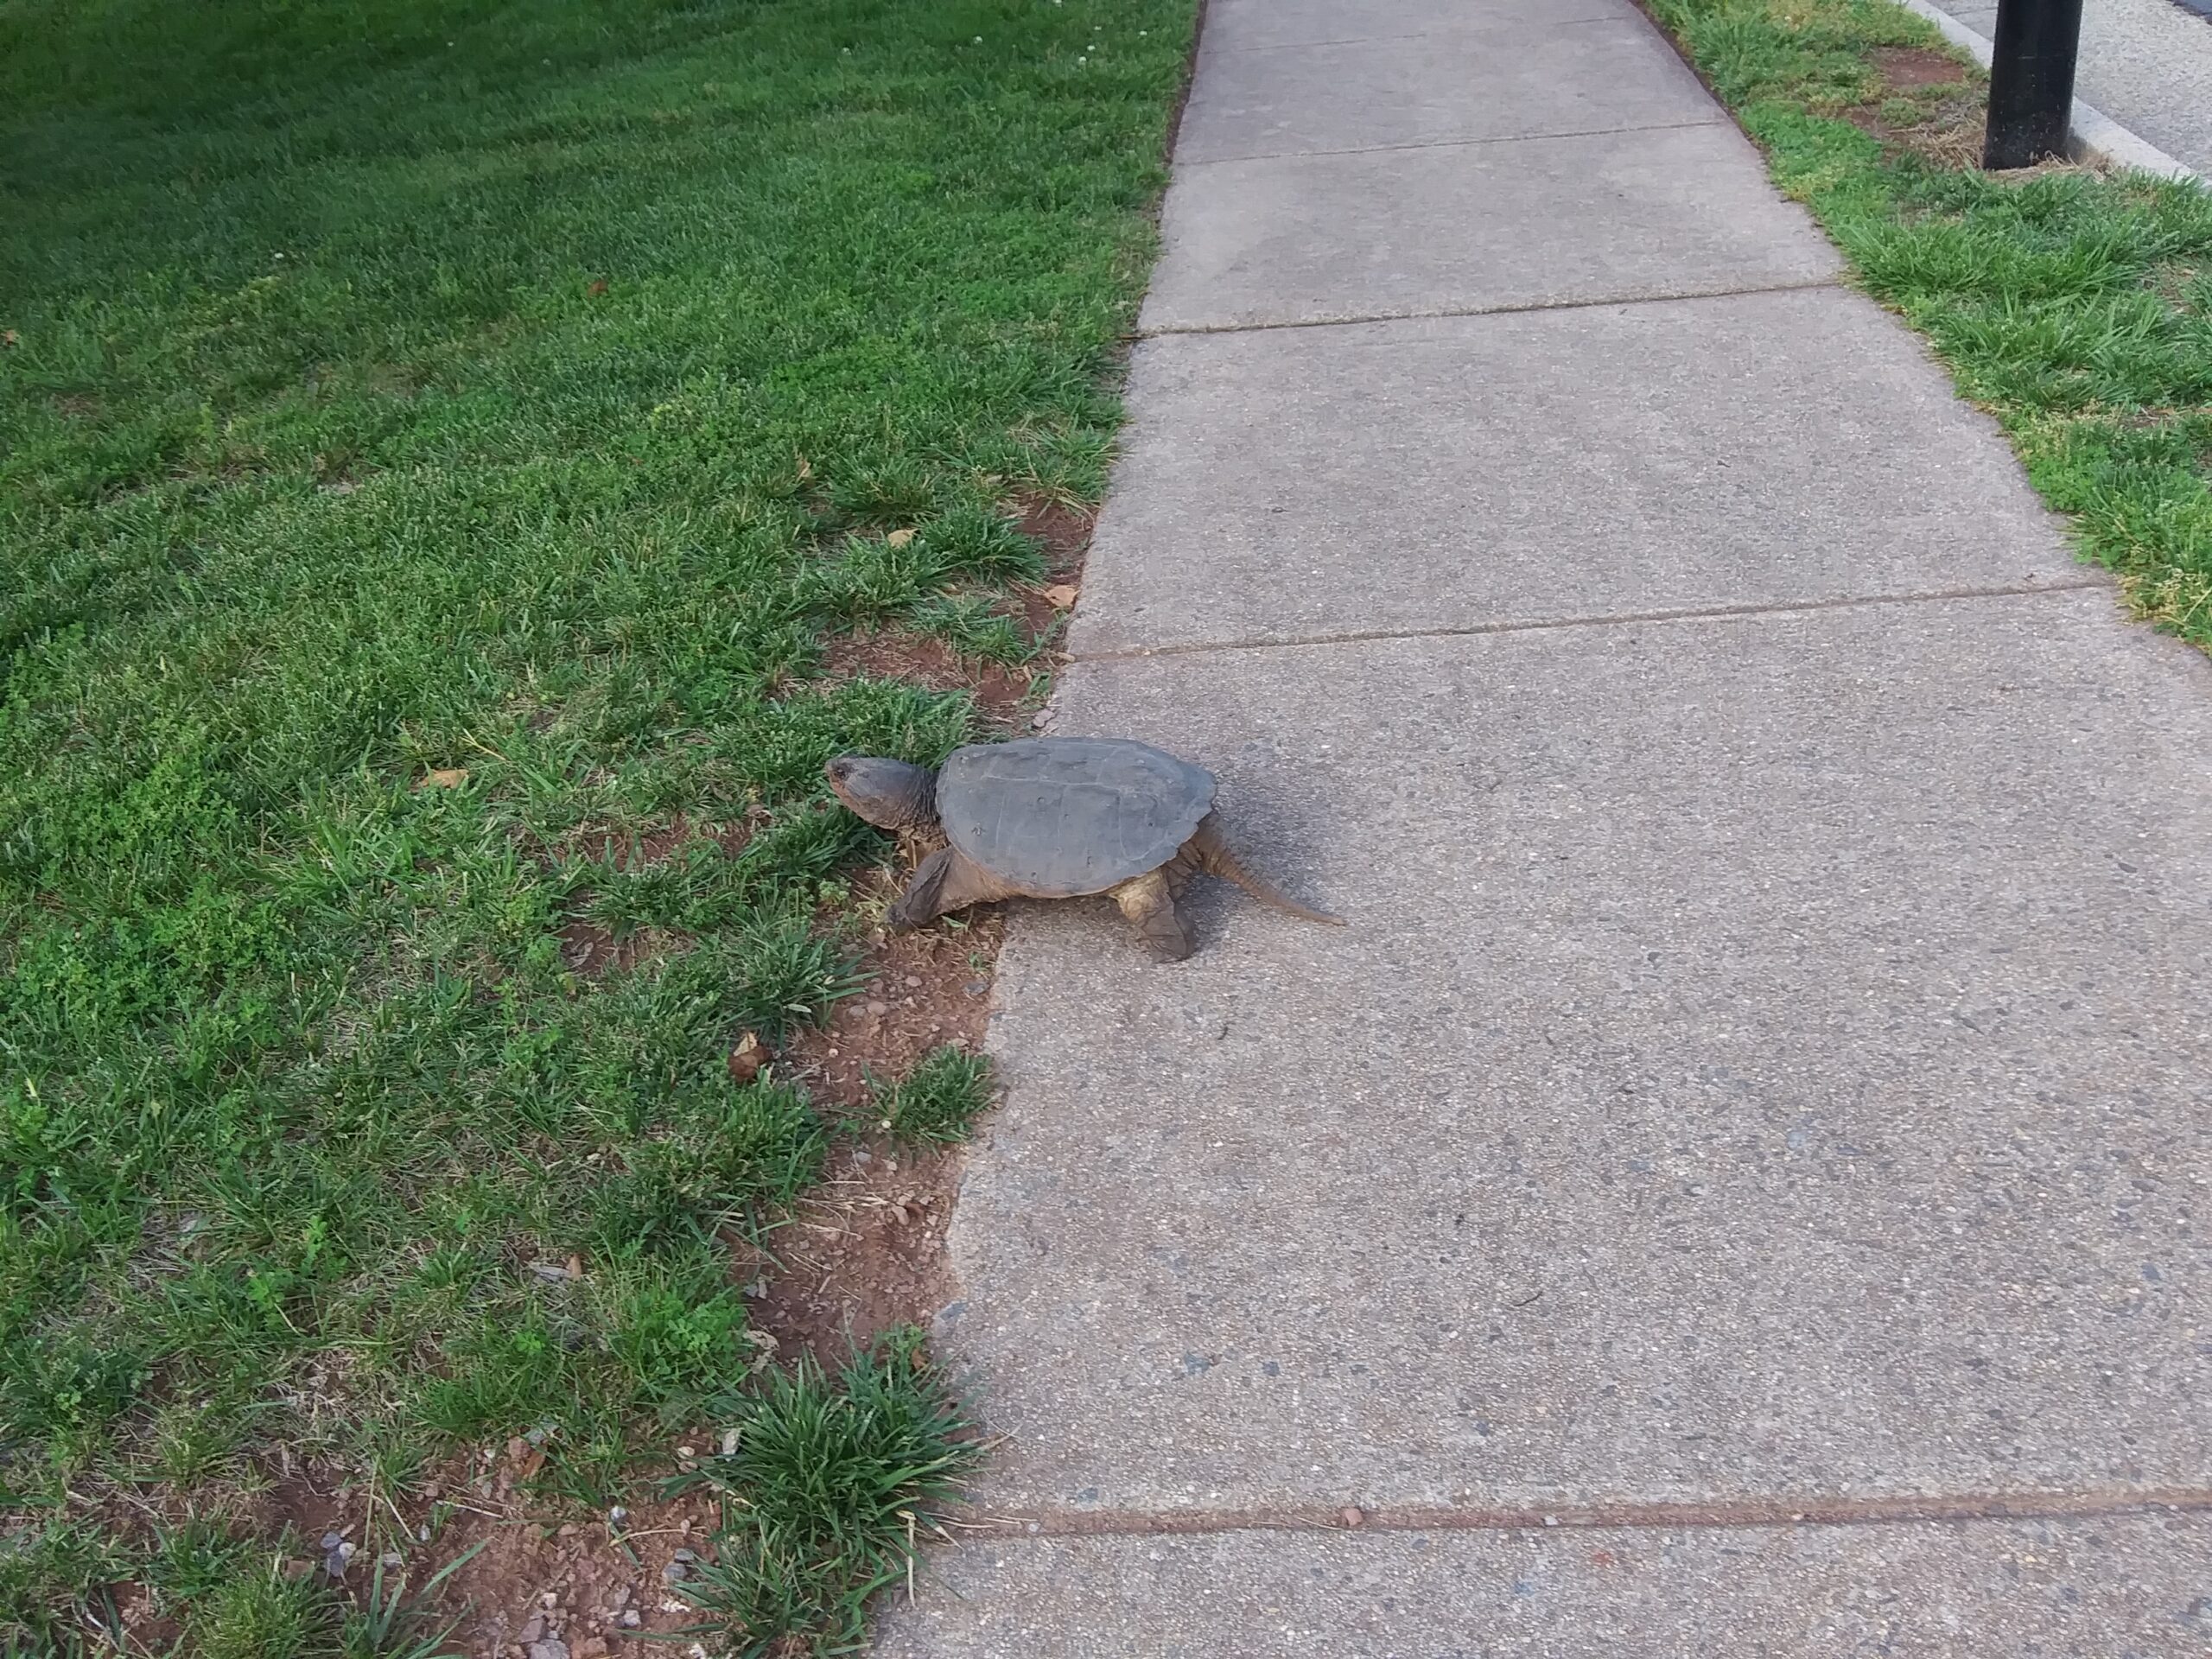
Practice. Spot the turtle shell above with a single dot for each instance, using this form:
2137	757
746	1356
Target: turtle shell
1056	817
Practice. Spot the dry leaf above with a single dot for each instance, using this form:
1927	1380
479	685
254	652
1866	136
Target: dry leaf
446	777
9	337
575	1267
746	1059
596	289
805	467
1061	595
531	1465
899	538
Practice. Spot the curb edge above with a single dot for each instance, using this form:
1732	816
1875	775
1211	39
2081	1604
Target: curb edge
2094	136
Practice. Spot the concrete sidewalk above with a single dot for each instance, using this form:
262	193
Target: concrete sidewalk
1735	1186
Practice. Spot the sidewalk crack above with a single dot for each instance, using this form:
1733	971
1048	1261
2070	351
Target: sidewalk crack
1719	118
1509	308
1619	1514
1699	613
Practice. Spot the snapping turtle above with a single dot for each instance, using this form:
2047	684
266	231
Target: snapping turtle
1054	818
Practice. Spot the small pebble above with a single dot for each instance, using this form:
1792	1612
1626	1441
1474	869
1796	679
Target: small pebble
1351	1515
878	1009
687	1556
631	1621
391	1559
674	1573
550	1648
532	1628
913	982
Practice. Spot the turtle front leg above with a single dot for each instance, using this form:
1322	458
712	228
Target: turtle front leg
1150	905
944	881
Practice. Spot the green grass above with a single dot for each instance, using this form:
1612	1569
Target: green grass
823	1497
518	395
939	1100
2076	308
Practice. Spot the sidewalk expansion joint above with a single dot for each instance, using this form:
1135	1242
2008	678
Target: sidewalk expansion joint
1622	1515
1672	296
1717	119
1410	34
1702	614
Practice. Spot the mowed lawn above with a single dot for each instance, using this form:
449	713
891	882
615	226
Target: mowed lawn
435	440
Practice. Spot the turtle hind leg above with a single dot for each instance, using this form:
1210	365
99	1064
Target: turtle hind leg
1150	906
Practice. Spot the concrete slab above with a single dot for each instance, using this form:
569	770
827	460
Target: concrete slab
1469	471
1465	228
1518	81
1259	25
2089	1589
1768	1055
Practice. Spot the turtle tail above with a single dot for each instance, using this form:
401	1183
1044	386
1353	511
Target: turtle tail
1216	859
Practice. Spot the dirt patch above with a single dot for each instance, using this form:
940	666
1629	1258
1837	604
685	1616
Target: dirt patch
1904	67
923	659
1001	692
1063	530
598	1585
1928	105
1065	533
925	989
863	1255
642	850
533	1567
590	948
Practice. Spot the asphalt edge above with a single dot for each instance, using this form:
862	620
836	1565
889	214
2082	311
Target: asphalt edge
2093	136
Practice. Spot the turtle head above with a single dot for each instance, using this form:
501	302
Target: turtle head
889	794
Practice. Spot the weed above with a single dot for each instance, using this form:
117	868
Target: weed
824	1495
939	1100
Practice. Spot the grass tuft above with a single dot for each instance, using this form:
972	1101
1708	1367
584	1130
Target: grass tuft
824	1497
939	1100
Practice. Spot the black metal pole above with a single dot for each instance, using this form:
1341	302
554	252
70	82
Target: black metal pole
2031	82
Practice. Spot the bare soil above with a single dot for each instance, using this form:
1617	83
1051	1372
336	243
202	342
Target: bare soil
1904	67
544	1571
923	659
